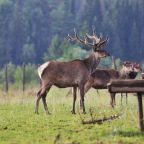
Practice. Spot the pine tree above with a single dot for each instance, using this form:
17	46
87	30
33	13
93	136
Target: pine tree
17	33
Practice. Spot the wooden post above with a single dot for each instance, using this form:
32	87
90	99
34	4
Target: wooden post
114	63
140	111
23	77
6	79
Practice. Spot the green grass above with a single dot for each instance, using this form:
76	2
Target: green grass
20	125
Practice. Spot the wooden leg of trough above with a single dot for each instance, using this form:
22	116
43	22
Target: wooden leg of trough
140	111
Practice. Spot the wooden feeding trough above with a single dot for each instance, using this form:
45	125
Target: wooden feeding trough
130	86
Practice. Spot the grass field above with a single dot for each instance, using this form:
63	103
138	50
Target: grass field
20	125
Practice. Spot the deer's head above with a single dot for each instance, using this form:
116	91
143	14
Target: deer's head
97	44
131	69
137	67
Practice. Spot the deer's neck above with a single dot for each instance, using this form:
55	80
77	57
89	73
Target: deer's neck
92	62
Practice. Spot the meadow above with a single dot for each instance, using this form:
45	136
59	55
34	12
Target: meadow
20	125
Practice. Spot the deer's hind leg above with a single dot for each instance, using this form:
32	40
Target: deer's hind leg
37	101
126	98
42	94
44	100
112	103
87	86
121	98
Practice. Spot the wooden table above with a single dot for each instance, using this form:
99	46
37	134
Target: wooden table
130	86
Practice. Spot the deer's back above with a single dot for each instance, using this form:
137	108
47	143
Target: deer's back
102	77
64	74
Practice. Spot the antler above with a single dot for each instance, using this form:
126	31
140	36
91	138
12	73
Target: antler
94	36
76	38
97	44
101	44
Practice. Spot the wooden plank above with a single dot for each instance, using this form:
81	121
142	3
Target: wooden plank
140	111
130	86
126	89
127	83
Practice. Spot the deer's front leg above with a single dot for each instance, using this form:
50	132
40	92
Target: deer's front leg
82	98
88	85
74	100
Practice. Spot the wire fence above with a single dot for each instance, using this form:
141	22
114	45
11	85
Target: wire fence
18	76
25	75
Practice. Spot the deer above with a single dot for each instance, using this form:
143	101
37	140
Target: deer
101	77
136	67
73	73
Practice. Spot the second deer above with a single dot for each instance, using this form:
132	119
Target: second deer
101	77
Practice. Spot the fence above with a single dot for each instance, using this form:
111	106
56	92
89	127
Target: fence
22	75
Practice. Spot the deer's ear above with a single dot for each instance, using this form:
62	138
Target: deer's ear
127	63
138	66
124	63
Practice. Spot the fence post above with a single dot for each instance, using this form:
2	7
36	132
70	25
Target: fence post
6	79
23	81
114	63
140	111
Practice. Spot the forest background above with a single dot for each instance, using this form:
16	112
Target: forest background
34	31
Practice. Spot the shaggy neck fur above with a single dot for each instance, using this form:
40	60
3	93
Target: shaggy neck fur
92	62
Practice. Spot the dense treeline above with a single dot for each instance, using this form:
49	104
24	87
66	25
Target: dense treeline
14	75
33	31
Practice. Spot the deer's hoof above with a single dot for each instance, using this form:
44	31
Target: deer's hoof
73	112
48	113
36	112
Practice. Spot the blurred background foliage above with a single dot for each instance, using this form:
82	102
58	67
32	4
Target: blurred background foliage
34	31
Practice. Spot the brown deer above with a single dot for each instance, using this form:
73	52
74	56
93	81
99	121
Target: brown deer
136	68
73	73
101	77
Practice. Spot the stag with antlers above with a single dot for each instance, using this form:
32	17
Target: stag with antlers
73	73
